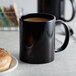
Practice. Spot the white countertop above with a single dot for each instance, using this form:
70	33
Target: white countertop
63	65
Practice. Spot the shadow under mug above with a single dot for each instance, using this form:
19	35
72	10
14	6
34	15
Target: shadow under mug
41	49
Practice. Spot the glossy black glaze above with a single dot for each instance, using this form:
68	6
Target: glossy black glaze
56	7
43	44
37	39
49	6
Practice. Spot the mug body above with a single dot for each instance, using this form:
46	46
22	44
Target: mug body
55	7
37	39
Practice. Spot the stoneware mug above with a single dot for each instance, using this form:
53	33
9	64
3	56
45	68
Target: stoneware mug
37	38
57	8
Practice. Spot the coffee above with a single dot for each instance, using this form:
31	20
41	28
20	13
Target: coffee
36	19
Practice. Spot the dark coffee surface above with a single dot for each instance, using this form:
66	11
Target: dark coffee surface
36	19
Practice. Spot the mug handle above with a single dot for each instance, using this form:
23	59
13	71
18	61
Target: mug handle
73	12
66	41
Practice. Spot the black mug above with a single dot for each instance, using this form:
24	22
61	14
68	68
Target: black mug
55	7
37	38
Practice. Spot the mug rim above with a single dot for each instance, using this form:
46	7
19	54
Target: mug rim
38	15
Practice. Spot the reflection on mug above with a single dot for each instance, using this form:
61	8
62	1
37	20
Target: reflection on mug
30	39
